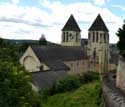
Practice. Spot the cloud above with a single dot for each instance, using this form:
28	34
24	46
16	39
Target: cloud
15	2
85	13
28	22
99	2
119	6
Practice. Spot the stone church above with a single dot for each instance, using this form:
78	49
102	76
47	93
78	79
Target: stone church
73	56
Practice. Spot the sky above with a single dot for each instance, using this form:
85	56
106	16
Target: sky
29	19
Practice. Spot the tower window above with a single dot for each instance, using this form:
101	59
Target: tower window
101	38
77	37
93	36
67	33
89	36
108	37
63	37
66	37
96	36
105	37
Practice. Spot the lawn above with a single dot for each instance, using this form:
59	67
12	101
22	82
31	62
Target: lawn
88	95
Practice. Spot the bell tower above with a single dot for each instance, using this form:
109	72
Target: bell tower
98	45
71	33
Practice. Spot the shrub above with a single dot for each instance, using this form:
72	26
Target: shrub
44	94
68	83
89	77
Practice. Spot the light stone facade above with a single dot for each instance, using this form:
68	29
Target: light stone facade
120	80
71	38
30	61
78	66
32	64
98	50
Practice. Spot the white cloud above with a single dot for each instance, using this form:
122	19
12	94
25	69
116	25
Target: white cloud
30	22
119	6
15	1
85	14
99	2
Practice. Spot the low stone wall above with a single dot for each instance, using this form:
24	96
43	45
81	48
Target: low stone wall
113	98
120	81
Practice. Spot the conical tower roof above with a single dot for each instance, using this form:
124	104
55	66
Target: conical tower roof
71	25
98	25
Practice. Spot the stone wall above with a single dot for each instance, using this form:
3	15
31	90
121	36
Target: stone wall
78	66
112	97
72	38
120	81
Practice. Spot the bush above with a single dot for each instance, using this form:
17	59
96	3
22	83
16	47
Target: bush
68	83
89	77
44	94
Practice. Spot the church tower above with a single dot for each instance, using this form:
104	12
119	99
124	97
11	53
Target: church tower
71	33
98	45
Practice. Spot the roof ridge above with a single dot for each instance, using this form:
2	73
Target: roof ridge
71	24
98	24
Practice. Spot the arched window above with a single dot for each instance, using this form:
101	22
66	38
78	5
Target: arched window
89	36
96	36
105	37
77	37
66	37
101	37
63	37
93	36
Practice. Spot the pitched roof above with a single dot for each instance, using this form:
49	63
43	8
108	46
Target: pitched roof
46	79
98	25
54	56
71	25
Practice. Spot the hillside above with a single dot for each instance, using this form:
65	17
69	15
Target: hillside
88	95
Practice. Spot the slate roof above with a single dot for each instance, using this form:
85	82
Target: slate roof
98	25
71	25
53	56
46	79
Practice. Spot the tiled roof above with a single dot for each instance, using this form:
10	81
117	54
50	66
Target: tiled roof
54	56
46	79
71	25
98	25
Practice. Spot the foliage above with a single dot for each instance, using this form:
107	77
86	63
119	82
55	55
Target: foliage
15	90
89	77
68	83
121	43
42	40
88	95
15	82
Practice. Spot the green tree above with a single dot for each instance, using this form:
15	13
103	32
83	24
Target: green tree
15	82
121	43
42	40
15	87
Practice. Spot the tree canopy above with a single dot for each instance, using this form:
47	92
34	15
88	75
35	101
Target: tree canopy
15	82
121	43
42	40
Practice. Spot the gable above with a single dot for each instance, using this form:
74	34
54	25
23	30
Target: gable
29	53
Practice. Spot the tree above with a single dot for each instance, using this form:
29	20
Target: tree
15	82
121	43
42	40
15	87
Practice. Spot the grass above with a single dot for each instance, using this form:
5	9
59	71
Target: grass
88	95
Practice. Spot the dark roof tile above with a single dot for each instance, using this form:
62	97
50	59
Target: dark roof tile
53	56
98	25
71	25
46	79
